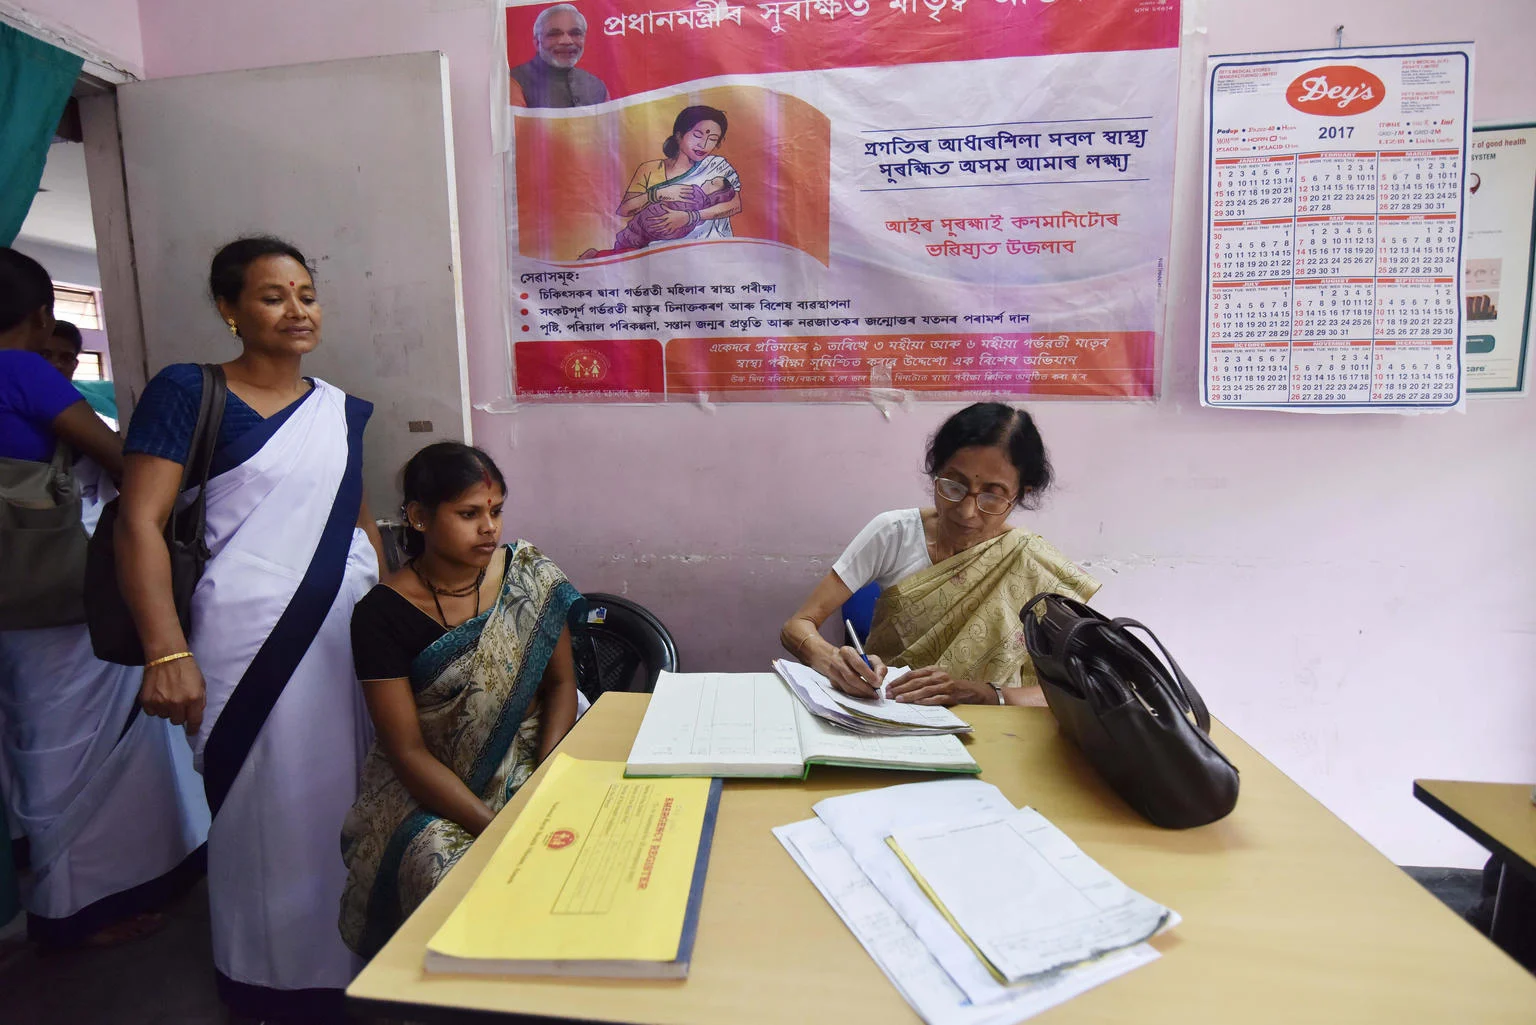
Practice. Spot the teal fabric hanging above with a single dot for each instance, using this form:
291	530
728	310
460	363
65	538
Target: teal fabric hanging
35	83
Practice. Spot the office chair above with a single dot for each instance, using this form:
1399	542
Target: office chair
618	645
859	610
390	532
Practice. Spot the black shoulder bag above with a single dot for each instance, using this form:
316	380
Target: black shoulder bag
1144	727
114	637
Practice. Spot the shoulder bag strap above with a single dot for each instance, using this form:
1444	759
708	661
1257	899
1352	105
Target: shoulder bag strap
62	459
200	450
1191	696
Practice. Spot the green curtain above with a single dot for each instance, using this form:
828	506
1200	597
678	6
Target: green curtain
35	82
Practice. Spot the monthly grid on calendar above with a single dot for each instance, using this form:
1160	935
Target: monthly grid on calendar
1333	278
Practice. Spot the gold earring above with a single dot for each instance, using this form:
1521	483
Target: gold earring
232	329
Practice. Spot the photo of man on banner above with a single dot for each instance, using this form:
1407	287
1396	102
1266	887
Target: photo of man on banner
551	78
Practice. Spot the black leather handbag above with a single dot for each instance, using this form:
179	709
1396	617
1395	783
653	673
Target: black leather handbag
1141	723
114	637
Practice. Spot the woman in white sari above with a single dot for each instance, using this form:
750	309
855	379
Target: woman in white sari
690	194
105	798
265	685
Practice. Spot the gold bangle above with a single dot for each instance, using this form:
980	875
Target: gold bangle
167	658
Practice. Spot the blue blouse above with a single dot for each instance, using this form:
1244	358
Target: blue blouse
166	415
32	394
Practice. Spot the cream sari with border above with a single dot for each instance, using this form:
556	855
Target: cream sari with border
962	615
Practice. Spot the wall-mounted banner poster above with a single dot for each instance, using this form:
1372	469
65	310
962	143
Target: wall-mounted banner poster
828	199
1501	221
1334	184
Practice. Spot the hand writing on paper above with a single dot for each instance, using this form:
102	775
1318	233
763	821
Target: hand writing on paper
931	685
850	675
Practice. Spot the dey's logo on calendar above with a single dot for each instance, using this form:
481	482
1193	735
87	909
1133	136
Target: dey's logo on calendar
1337	90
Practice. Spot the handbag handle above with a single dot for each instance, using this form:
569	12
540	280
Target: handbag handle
1082	618
210	415
1191	696
1088	618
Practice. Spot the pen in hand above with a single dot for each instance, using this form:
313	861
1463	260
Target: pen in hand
854	636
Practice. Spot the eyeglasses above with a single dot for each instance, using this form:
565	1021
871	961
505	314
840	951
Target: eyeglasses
988	502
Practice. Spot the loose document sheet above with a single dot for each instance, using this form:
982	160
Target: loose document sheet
1043	904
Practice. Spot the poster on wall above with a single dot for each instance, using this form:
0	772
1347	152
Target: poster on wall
1333	186
821	200
1501	221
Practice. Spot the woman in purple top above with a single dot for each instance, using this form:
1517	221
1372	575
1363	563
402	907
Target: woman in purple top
38	406
98	790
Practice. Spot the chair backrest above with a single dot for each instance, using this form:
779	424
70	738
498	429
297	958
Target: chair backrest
390	532
859	610
618	645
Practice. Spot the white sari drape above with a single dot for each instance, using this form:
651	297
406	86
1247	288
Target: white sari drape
711	167
285	729
107	799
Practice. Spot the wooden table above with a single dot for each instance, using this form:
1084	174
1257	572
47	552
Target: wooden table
1288	915
1500	817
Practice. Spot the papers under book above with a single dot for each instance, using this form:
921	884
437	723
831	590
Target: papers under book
749	725
599	876
931	953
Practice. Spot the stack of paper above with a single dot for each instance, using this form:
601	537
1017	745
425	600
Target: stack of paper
978	912
599	876
748	725
878	716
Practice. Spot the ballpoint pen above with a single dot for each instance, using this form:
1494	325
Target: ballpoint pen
854	636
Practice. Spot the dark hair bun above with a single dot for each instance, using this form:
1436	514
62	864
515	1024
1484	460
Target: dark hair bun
226	275
995	425
25	287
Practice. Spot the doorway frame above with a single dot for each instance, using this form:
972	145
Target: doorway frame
96	92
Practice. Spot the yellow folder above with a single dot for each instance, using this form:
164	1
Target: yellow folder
600	875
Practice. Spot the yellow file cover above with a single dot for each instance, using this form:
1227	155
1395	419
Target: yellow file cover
600	875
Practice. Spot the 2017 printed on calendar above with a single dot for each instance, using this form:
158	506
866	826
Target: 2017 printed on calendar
1334	184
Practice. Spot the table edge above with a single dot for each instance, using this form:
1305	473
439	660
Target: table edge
443	1014
1475	832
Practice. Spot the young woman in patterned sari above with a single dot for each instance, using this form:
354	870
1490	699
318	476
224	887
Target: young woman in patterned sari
953	576
465	659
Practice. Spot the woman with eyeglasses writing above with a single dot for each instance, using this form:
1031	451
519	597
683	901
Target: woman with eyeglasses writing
953	577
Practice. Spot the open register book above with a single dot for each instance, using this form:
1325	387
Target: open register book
599	876
750	725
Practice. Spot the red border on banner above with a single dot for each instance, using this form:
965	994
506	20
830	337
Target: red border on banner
638	45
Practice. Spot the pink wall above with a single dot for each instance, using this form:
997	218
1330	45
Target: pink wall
104	28
1356	595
